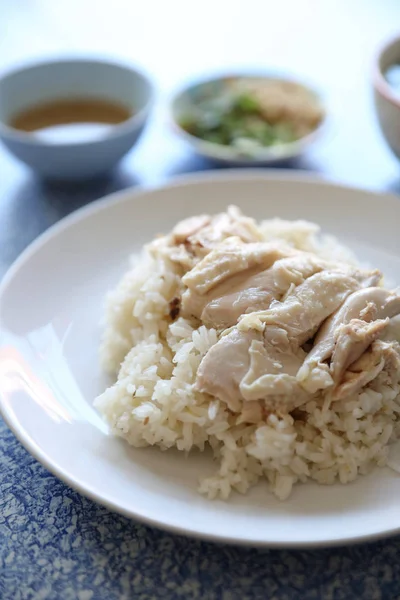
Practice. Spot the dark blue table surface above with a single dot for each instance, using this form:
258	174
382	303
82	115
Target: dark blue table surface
53	542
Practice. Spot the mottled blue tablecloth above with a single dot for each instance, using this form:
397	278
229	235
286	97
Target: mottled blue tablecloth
55	544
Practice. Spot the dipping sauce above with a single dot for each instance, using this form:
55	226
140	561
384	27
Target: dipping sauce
72	120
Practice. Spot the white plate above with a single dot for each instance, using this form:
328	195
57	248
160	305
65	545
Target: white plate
50	308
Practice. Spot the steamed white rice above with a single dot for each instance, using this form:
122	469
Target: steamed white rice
153	402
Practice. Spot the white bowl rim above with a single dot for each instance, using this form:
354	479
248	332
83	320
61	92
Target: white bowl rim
222	152
381	86
134	122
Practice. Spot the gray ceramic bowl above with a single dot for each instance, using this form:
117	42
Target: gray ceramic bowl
387	102
78	78
188	97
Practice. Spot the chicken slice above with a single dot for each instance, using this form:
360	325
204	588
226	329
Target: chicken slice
224	366
274	355
255	292
366	304
379	356
193	238
195	304
274	363
222	312
229	258
362	372
351	342
244	367
186	229
391	353
225	225
308	305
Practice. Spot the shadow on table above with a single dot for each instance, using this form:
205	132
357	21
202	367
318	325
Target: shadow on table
63	197
36	205
190	163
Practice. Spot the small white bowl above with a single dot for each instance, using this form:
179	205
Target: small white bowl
186	99
44	82
387	102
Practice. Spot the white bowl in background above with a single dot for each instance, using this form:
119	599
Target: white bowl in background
387	102
44	82
187	97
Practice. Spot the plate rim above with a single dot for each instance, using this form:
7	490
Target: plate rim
131	194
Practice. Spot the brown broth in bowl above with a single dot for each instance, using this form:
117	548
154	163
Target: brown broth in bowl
70	120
